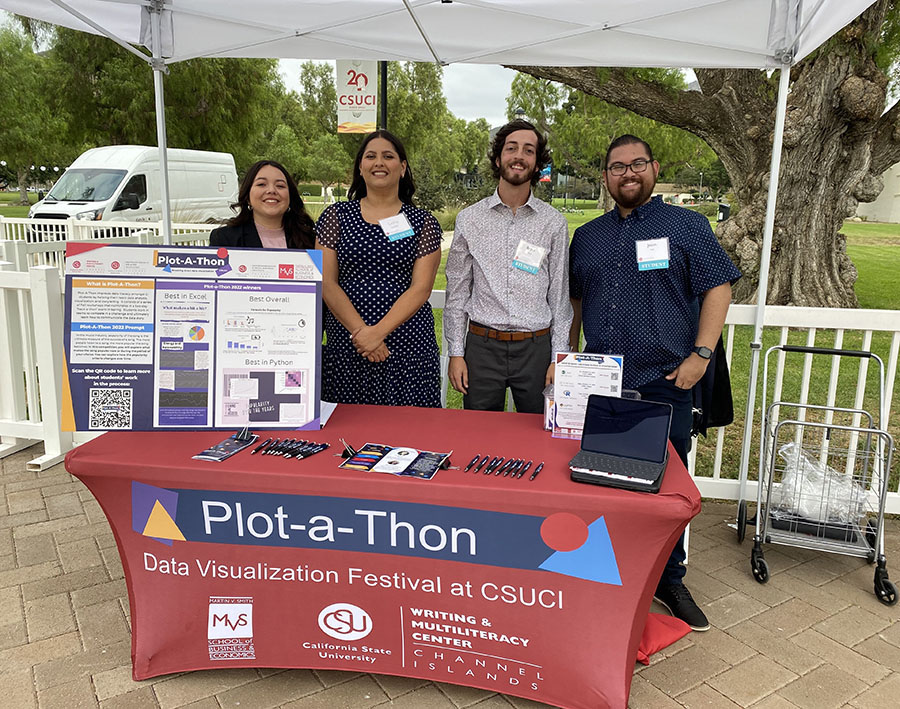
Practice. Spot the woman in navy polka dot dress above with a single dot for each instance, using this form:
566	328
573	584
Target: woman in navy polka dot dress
380	256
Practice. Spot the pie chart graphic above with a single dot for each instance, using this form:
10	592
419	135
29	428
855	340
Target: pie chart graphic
196	333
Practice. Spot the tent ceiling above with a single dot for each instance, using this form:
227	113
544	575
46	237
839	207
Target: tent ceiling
676	33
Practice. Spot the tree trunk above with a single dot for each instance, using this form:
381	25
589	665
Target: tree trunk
22	177
836	145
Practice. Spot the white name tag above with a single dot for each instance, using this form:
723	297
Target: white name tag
396	227
529	257
652	254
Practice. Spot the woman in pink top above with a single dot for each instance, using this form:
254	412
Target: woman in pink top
270	213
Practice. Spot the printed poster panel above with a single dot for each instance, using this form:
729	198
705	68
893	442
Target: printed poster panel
191	338
357	95
577	376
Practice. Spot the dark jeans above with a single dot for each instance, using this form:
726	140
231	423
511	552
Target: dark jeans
681	400
494	365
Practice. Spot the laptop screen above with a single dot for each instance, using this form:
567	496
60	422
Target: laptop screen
627	428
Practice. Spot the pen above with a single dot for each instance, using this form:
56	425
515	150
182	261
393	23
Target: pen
304	447
536	471
524	469
514	467
471	463
285	444
483	461
312	451
494	464
505	468
295	448
261	446
271	446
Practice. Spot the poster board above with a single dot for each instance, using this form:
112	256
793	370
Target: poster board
183	338
577	376
357	95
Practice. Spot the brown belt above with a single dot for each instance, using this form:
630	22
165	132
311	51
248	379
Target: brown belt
505	335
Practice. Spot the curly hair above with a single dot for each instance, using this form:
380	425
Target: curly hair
542	156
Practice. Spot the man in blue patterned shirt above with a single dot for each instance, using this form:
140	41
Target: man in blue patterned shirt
649	281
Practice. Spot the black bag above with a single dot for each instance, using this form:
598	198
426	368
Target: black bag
713	405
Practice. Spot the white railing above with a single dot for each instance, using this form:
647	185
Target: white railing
715	459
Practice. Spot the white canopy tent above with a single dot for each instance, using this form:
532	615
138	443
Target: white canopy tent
764	34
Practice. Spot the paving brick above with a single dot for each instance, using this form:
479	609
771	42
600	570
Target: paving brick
851	626
6	540
79	555
101	624
645	695
143	698
95	530
847	591
427	697
826	687
891	634
776	645
271	691
740	579
35	653
881	652
521	703
29	574
49	490
35	550
710	587
7	562
193	686
113	563
883	694
64	584
17	689
791	617
329	678
63	524
821	597
840	656
733	609
751	680
115	682
360	692
774	701
395	686
464	696
716	557
77	694
13	635
66	505
24	501
705	696
684	671
98	593
79	663
495	701
11	609
49	616
15	521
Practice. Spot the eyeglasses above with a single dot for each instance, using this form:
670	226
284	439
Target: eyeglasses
618	168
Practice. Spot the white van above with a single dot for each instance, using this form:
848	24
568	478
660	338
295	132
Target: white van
121	183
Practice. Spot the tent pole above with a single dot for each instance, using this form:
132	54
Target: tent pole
784	81
159	66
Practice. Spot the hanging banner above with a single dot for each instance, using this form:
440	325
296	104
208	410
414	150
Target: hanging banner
357	95
191	338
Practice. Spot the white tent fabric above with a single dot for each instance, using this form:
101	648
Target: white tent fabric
672	33
759	34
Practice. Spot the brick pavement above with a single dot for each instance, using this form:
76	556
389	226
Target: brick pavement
814	637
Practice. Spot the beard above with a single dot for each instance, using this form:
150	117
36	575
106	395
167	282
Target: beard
516	178
632	199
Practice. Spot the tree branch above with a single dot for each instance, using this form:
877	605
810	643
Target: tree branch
886	144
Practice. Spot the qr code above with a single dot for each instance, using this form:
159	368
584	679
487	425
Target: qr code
110	409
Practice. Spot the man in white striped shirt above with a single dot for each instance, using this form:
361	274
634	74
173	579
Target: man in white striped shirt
508	308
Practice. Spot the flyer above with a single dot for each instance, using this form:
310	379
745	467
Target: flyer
396	460
169	338
577	376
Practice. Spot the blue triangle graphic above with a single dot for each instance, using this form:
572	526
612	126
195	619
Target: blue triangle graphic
594	560
167	269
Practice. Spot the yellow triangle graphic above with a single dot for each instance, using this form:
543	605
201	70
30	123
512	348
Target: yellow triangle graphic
161	525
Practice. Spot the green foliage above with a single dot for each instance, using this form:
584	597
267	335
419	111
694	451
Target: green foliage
310	188
326	161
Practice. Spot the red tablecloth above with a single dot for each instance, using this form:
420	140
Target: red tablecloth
538	589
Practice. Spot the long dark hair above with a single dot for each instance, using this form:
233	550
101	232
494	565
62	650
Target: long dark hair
299	229
542	156
405	189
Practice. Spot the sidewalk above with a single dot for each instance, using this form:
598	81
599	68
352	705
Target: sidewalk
813	637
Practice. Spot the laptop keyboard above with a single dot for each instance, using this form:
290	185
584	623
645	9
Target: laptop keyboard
612	464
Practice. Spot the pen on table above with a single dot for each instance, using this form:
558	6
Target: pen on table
312	451
303	448
495	463
294	448
274	443
261	446
281	447
483	461
514	467
524	469
471	463
536	471
505	468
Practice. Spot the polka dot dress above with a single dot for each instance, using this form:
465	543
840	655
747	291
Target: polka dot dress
374	271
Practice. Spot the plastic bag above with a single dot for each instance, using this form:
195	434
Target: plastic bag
816	491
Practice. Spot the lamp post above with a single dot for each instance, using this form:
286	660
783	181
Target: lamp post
701	185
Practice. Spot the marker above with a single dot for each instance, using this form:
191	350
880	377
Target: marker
471	463
524	470
536	471
261	446
481	464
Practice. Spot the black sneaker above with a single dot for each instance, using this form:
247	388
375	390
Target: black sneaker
678	601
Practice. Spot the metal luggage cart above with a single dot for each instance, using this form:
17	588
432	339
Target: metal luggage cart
823	478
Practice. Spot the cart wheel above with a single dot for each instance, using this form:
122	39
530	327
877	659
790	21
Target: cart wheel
886	591
741	520
759	567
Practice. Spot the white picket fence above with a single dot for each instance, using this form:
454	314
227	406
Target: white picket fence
31	297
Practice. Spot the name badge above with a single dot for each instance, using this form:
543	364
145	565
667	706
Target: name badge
396	227
652	254
528	257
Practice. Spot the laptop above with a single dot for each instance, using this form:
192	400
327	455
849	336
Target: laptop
624	443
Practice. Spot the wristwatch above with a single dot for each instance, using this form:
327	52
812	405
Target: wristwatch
703	352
